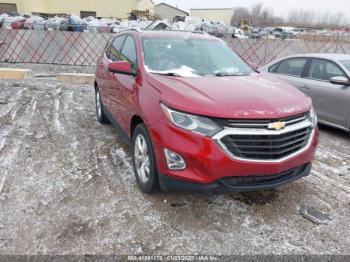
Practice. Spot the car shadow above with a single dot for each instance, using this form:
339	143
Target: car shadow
259	198
336	131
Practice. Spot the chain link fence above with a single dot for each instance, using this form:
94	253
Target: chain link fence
263	51
51	47
82	48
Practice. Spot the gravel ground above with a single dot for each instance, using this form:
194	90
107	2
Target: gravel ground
67	187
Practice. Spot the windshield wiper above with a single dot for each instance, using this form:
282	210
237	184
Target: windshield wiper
167	74
228	74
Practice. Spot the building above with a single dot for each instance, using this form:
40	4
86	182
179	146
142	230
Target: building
214	14
104	8
165	11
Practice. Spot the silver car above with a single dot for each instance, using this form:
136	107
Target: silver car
323	77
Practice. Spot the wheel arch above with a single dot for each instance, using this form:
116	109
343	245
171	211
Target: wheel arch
135	120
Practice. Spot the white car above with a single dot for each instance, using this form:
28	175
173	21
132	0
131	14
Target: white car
237	33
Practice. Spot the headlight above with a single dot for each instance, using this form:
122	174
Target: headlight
196	124
313	117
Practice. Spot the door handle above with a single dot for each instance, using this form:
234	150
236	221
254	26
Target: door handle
305	86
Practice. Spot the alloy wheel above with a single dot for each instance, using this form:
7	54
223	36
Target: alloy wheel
142	158
98	104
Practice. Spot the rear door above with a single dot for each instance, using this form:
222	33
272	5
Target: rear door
331	101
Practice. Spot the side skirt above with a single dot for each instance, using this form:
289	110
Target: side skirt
124	136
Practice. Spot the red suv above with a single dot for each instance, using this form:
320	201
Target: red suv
199	118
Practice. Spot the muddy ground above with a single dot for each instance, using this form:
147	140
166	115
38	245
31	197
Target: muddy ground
67	187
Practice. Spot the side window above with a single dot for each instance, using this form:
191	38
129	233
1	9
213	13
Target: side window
292	66
324	70
113	52
129	52
273	68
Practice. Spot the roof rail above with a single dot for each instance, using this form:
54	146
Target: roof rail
199	32
131	29
183	31
193	32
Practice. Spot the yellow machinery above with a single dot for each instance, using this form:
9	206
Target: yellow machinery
246	25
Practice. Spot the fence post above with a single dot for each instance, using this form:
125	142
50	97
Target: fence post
265	50
337	43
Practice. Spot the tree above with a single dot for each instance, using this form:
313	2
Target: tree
256	13
264	16
239	14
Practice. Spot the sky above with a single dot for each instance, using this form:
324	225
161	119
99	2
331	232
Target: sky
281	7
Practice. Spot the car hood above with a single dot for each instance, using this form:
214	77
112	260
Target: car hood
254	96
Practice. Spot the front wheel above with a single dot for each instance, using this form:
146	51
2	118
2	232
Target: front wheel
143	160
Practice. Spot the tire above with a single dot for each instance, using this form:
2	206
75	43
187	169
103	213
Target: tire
100	113
143	160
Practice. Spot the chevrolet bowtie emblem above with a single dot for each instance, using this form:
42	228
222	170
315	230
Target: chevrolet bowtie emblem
277	125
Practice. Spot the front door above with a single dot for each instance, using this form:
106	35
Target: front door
331	101
126	83
292	71
113	86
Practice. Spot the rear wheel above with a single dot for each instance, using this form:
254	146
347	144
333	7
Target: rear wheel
101	117
143	160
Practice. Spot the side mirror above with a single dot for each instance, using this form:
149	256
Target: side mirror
340	80
120	67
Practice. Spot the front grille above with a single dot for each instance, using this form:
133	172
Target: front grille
260	123
267	146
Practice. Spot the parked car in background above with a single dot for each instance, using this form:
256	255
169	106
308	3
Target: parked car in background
18	24
215	28
323	77
198	117
29	23
58	24
254	32
159	25
266	33
236	33
76	24
289	35
8	20
285	33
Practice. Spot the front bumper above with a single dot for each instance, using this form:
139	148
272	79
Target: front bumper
209	164
236	184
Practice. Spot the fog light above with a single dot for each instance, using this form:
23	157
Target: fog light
174	160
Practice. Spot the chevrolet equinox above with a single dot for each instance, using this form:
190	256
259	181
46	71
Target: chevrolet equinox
199	118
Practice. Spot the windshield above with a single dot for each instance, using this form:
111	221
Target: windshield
192	58
346	63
